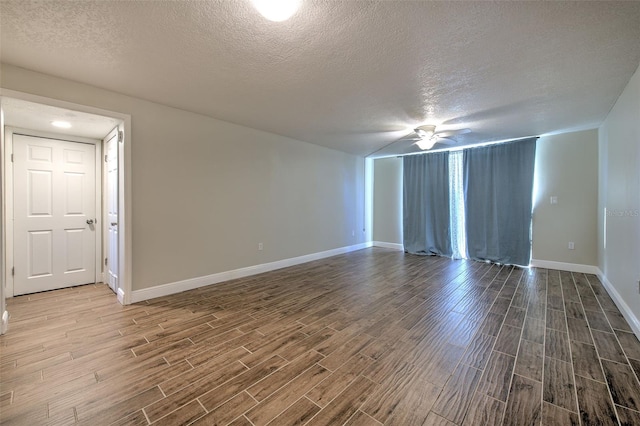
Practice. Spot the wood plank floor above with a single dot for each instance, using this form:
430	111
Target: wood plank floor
367	338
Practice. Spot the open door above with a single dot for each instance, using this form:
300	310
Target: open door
112	208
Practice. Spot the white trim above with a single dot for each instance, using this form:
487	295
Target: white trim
394	246
4	326
7	217
120	296
562	266
190	284
626	311
125	215
4	321
51	135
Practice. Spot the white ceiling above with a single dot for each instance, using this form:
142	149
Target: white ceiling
349	75
33	116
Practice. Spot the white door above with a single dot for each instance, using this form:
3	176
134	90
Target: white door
54	214
111	148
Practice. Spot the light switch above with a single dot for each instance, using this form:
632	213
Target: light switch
553	199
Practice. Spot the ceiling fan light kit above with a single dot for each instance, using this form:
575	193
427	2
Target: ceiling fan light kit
428	137
276	10
425	144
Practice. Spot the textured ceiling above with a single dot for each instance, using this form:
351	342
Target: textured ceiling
33	116
349	75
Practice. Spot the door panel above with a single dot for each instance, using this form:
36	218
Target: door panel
75	249
74	202
40	253
54	197
40	153
39	190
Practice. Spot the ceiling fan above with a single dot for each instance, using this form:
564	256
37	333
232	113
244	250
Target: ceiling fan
427	136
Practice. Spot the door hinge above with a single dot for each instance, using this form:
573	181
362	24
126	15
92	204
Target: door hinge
13	271
105	261
105	158
120	136
12	158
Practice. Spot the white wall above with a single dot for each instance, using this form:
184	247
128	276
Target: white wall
619	183
567	168
206	192
387	200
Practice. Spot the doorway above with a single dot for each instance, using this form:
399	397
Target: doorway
103	228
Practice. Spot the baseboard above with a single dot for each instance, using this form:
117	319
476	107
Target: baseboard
5	322
562	266
190	284
626	311
394	246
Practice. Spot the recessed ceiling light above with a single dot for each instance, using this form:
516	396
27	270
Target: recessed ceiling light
276	10
61	124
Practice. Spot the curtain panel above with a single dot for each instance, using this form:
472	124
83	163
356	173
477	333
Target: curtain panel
498	187
426	204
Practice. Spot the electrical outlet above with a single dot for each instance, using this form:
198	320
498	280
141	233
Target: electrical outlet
571	245
353	233
260	246
553	199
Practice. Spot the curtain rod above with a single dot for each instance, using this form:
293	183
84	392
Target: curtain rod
479	145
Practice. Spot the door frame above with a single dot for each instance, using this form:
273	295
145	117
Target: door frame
124	195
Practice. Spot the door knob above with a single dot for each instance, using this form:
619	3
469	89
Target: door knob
89	221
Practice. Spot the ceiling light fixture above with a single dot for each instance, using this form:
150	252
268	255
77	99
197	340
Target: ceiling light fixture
276	10
425	144
427	136
61	124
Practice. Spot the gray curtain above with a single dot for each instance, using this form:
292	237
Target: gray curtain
426	204
498	186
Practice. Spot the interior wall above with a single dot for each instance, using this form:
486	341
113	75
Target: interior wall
206	192
566	168
387	200
619	183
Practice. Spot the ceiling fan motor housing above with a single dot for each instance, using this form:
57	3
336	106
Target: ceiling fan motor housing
425	131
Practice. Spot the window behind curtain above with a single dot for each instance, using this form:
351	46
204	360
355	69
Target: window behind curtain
426	214
498	187
456	200
472	203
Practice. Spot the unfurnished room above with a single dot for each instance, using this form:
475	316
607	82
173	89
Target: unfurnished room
319	212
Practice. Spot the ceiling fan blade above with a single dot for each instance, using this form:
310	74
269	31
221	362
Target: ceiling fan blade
446	141
447	133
